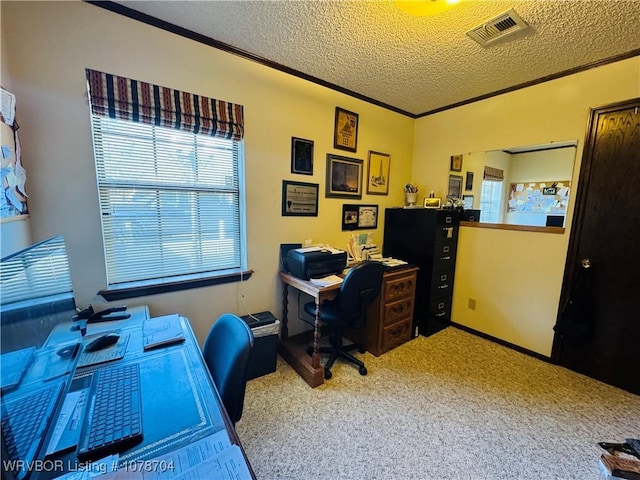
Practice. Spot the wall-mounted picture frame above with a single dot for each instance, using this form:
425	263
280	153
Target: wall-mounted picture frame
455	186
344	177
468	184
299	199
301	156
468	202
378	166
431	202
345	130
359	217
456	163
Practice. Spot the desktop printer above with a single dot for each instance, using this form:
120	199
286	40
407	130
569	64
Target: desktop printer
315	262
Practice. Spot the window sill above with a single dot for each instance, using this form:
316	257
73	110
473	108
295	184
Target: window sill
174	284
520	228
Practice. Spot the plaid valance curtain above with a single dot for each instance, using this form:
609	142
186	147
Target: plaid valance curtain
494	174
126	99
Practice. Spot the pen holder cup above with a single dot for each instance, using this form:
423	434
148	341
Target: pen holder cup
411	198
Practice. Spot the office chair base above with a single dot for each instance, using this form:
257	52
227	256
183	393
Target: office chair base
343	352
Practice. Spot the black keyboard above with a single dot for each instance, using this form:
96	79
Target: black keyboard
113	421
24	422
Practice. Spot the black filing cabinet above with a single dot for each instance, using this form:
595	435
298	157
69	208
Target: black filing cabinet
426	238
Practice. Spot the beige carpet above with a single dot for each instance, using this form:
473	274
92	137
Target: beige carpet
451	406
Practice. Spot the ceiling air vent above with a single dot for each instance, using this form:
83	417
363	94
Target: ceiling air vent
499	27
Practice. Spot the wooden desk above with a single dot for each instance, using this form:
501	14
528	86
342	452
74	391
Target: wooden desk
308	367
180	403
389	320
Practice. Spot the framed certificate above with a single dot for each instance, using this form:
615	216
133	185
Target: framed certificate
299	199
359	217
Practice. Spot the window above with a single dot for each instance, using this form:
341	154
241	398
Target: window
171	198
490	201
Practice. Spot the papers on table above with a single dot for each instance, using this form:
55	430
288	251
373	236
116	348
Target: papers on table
393	262
213	458
326	248
160	331
326	281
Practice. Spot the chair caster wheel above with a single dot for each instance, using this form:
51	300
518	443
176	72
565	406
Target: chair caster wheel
362	349
362	370
327	374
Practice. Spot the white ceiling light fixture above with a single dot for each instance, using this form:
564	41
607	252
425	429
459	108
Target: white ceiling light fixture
423	8
498	27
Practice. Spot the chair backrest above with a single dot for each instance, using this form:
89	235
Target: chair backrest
360	287
227	351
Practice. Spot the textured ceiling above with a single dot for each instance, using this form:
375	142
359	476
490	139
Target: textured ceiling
413	64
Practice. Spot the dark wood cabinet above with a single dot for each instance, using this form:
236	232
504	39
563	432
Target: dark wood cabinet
427	239
390	317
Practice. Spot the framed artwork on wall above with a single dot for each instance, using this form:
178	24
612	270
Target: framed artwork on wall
301	156
455	186
378	173
456	163
345	130
299	199
468	185
344	177
359	217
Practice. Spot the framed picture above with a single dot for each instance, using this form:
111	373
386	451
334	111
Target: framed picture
299	199
468	185
456	163
468	202
301	156
344	177
345	130
359	217
378	173
430	202
455	186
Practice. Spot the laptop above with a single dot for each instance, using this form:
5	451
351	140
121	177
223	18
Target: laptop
35	376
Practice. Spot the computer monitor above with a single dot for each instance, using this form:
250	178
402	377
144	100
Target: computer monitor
555	221
36	295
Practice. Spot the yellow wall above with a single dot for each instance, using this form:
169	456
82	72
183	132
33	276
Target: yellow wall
515	277
45	49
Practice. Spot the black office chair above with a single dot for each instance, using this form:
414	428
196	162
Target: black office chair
359	288
227	351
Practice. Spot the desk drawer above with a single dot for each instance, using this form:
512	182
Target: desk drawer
440	308
399	287
393	312
396	334
442	283
444	255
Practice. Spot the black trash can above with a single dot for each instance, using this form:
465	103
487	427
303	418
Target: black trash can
265	328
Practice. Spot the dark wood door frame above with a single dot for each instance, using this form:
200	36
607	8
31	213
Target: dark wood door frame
573	263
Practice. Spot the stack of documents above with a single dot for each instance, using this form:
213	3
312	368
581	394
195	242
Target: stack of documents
326	281
160	331
393	262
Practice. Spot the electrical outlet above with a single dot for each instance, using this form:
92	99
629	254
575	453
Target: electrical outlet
472	303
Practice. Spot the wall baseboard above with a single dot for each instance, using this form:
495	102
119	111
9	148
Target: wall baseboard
504	343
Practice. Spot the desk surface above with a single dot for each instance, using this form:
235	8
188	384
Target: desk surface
180	403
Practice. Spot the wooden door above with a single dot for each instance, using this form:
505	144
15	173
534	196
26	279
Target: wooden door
606	230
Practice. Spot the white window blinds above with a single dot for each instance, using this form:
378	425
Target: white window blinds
169	200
